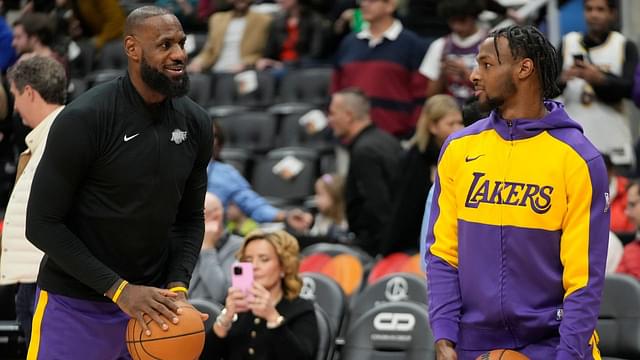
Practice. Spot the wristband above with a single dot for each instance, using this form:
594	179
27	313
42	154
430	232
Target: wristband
179	289
118	292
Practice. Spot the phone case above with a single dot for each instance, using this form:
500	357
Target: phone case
242	279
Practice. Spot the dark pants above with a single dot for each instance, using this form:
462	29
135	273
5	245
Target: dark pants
25	299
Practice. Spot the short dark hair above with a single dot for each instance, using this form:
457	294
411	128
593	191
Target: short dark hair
459	8
44	74
528	42
356	101
39	25
612	4
139	15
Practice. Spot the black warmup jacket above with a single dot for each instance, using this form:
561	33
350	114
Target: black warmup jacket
119	192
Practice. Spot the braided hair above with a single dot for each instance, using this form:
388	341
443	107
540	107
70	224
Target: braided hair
528	42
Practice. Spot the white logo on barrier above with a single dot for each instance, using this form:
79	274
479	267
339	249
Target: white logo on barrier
387	321
308	290
397	289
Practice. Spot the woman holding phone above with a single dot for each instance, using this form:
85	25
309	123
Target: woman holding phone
264	316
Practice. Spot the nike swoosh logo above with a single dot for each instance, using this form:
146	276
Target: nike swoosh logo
130	137
468	159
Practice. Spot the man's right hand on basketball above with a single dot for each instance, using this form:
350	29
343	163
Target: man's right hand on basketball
445	350
158	304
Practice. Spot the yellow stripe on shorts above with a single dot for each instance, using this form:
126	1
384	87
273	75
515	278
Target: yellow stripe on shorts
34	345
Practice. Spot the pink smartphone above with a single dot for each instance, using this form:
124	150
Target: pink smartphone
242	278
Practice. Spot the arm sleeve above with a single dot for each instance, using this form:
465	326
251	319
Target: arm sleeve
377	198
205	57
187	232
442	255
297	339
70	152
430	66
616	88
424	229
583	253
208	280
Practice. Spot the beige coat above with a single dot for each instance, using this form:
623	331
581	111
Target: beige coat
252	44
20	260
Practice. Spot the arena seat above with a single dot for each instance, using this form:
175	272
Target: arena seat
325	292
391	263
200	89
293	134
397	330
253	130
306	86
294	190
314	263
389	289
619	320
325	335
226	91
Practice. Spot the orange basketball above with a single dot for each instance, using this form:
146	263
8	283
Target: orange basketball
183	341
502	354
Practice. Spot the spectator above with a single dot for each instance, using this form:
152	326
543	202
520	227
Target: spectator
236	40
33	34
451	58
630	263
621	224
38	85
238	222
230	186
374	157
383	61
298	37
597	73
212	275
330	223
440	117
100	20
275	323
185	11
7	52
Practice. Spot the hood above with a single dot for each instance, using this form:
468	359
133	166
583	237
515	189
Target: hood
557	118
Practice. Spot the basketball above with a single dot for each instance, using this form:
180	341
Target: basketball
502	354
183	341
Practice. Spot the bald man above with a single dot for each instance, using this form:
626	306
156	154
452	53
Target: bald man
117	201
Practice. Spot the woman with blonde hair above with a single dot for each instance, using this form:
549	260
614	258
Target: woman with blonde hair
273	322
440	117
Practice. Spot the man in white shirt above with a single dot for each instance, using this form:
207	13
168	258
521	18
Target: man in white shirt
451	58
38	85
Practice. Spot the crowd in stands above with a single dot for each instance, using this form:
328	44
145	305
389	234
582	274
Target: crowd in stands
351	166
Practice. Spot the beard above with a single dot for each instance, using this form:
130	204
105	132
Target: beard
495	102
162	83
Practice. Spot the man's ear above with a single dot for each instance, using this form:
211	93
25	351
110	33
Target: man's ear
526	68
30	92
131	48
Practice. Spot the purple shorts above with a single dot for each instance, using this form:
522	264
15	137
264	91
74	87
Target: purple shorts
74	329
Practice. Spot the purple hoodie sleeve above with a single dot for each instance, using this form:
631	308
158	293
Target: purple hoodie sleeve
442	274
582	305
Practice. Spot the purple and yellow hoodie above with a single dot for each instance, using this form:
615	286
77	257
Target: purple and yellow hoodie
517	240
